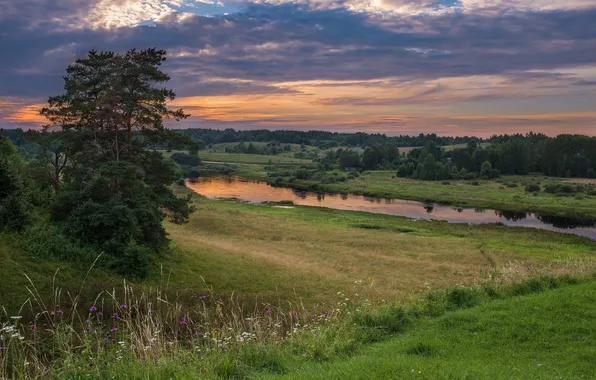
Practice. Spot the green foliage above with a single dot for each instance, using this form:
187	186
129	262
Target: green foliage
112	192
15	210
532	188
186	159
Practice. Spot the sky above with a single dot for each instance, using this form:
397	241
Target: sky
451	67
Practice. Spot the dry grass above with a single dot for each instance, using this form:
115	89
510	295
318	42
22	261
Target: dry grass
313	253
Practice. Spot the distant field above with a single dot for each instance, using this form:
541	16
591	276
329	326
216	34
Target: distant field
250	158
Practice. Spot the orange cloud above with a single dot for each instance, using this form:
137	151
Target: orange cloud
27	114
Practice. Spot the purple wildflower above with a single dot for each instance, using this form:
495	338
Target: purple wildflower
183	322
32	326
93	308
114	329
89	364
199	334
105	339
123	306
115	316
203	298
99	314
59	312
3	348
268	311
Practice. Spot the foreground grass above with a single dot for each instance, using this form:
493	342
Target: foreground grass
538	329
547	335
481	194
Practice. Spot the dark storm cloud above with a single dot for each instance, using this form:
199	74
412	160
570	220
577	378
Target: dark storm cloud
289	43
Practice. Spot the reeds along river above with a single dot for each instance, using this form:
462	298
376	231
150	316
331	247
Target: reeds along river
253	191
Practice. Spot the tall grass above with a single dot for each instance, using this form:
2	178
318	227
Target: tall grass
122	334
70	336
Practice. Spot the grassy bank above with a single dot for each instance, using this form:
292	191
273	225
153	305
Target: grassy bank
547	335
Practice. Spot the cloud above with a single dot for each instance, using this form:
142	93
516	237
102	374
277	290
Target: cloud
332	60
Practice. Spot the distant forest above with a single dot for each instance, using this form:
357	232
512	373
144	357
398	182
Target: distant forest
563	156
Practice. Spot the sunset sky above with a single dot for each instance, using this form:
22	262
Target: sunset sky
452	67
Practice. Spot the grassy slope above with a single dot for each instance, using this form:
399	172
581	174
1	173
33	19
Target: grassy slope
311	254
489	194
548	335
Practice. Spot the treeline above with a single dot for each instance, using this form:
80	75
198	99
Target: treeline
87	185
271	148
321	139
563	156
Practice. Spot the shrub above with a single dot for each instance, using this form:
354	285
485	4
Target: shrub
186	159
475	183
532	188
445	183
512	185
180	182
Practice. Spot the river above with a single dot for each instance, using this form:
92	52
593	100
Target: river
258	192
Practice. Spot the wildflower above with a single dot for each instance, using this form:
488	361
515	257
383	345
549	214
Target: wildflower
3	348
115	316
59	312
149	304
114	329
89	364
99	314
539	365
93	308
123	306
203	298
198	334
105	339
413	370
32	326
183	321
268	312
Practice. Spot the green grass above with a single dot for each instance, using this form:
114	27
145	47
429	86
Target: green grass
251	158
548	335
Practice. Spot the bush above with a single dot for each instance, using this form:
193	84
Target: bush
186	159
512	185
180	182
532	188
469	176
445	183
475	183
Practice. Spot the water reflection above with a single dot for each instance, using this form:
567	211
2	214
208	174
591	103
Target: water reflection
232	187
511	215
